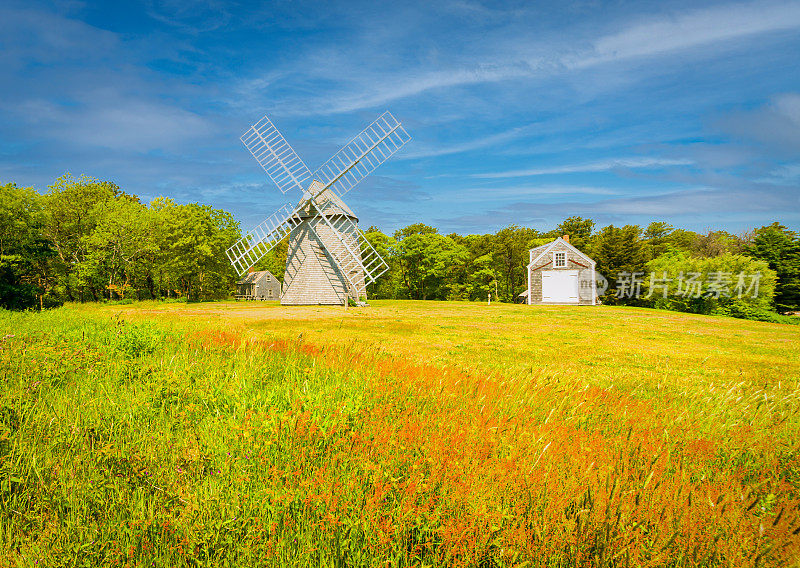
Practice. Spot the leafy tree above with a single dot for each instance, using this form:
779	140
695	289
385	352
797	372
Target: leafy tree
510	254
275	260
415	229
192	242
387	284
716	243
16	290
426	262
20	210
122	247
482	278
730	284
71	207
480	272
780	248
681	239
24	253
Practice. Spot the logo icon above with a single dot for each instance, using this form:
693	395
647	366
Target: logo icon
601	283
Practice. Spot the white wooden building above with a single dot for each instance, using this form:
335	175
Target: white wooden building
558	273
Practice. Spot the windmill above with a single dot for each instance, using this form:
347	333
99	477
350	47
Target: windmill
329	259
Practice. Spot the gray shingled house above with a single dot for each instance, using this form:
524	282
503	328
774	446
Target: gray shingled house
558	273
259	285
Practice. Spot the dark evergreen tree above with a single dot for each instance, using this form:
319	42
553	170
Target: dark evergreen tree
620	259
780	247
580	231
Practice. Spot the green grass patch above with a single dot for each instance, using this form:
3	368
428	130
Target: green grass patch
403	434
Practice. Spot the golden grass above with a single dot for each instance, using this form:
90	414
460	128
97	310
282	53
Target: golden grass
640	351
405	433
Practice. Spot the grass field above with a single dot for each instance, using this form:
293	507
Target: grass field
405	433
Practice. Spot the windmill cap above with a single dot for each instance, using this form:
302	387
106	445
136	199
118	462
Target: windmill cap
333	206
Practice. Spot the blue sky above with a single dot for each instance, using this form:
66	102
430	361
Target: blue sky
520	112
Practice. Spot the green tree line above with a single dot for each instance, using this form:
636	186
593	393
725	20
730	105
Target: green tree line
87	240
425	264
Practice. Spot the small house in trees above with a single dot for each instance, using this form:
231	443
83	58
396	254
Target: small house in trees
558	273
259	285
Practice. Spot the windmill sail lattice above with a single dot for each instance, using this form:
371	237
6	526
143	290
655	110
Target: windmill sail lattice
276	156
359	157
263	238
330	258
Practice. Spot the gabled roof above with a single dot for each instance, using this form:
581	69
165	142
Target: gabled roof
540	251
252	277
540	248
333	206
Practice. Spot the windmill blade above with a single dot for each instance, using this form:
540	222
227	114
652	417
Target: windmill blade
261	239
359	157
276	156
355	256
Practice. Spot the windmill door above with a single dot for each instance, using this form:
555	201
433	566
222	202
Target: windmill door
560	286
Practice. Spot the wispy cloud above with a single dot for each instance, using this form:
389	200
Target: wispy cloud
469	146
111	120
191	16
702	100
689	202
600	166
669	33
493	194
702	207
379	89
37	37
787	174
776	125
652	35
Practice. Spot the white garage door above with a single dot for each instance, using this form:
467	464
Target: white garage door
560	286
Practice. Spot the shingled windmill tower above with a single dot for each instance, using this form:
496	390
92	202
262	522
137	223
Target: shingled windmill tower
329	259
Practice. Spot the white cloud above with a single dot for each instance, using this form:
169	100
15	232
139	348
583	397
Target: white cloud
788	106
776	125
477	144
377	92
691	202
658	36
114	121
375	83
787	172
490	194
41	37
193	16
700	204
78	88
784	175
600	166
